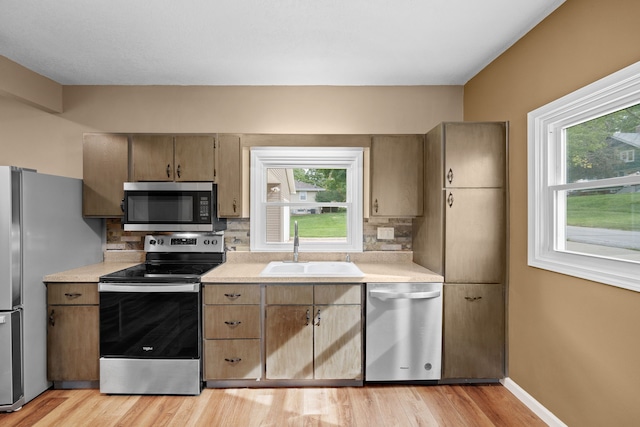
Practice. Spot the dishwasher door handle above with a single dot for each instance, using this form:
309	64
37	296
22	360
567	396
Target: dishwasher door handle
385	294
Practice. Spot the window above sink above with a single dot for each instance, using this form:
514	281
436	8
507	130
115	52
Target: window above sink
319	187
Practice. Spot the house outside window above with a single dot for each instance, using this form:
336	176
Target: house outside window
584	182
320	188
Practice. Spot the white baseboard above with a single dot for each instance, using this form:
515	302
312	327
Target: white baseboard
531	403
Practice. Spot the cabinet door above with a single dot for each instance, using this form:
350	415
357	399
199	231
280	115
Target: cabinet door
105	169
194	159
289	342
397	175
338	342
475	235
229	171
473	342
152	157
474	154
73	347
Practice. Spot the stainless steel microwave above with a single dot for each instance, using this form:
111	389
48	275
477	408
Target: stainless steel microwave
170	206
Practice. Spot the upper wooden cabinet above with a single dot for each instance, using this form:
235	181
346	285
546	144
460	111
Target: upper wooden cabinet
195	158
473	154
397	176
232	164
169	158
104	171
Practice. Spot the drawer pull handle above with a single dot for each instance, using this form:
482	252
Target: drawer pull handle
233	360
72	295
232	322
52	319
318	317
450	176
233	296
472	298
308	317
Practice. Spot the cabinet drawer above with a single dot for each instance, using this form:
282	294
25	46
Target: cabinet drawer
232	294
337	294
236	321
289	294
72	294
231	359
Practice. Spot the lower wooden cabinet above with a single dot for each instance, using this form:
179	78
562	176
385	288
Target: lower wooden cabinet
282	333
73	346
474	331
232	330
320	337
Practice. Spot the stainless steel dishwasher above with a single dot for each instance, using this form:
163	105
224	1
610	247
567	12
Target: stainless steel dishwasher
403	331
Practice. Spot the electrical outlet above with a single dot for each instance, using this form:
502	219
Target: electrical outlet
385	233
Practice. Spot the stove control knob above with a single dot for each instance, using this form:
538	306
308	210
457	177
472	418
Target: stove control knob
152	242
161	241
214	242
206	242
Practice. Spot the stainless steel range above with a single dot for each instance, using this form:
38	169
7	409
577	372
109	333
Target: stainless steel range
150	317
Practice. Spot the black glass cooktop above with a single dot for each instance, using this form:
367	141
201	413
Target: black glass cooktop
165	271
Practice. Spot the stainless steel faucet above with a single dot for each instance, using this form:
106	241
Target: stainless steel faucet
296	241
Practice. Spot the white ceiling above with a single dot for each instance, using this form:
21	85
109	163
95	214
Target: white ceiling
263	42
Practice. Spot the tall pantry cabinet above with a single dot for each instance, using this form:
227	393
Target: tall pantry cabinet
462	236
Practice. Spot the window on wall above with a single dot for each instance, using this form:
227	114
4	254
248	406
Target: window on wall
584	182
330	220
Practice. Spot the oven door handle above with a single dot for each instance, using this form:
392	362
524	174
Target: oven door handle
149	287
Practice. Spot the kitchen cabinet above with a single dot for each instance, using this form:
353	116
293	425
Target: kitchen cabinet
474	328
462	236
232	332
396	176
233	182
73	347
105	160
173	158
313	332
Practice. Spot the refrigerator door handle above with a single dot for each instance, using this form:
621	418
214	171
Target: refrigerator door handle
385	294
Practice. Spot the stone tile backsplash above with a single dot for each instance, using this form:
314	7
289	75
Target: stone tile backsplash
237	235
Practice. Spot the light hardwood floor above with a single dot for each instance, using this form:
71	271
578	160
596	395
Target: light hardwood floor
370	406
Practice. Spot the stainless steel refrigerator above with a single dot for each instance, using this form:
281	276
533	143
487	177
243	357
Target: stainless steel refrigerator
42	231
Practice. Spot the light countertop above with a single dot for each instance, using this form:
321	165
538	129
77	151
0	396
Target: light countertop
245	267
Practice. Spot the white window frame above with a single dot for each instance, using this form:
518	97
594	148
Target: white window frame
349	158
628	156
546	168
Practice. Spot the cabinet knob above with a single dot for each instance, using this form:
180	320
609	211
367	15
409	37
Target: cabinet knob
52	320
233	296
450	200
232	322
450	176
72	295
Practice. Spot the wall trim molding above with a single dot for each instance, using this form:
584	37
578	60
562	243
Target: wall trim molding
531	403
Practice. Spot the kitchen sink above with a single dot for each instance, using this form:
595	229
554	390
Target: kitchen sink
311	269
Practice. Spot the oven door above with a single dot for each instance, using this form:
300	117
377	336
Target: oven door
150	321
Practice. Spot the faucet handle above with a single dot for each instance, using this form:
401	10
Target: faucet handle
348	258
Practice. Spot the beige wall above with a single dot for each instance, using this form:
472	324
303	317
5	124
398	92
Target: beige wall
573	344
52	143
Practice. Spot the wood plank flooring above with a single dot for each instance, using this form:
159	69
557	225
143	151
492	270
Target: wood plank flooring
370	406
